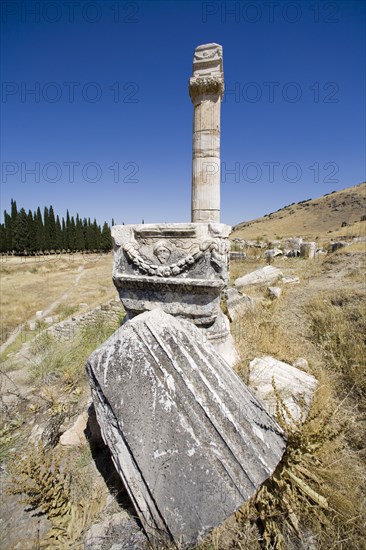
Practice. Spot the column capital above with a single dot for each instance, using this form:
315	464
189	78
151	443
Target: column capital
207	75
200	85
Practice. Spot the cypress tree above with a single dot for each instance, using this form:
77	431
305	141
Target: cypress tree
106	239
40	230
46	224
13	211
90	236
3	246
14	225
98	234
52	229
63	234
58	239
22	235
8	232
72	235
79	234
32	233
67	231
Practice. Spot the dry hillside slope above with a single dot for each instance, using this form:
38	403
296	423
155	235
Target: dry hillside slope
324	216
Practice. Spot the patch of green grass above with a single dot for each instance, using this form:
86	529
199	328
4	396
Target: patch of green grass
64	360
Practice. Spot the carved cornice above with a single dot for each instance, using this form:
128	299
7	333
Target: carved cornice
200	85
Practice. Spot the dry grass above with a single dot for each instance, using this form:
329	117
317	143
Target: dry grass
64	362
46	480
29	285
61	484
357	229
354	247
339	328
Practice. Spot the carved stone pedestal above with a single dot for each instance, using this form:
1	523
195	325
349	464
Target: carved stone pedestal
179	268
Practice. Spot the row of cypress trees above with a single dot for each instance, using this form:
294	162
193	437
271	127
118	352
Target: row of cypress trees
32	232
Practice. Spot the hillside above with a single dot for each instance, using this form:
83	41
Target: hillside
313	218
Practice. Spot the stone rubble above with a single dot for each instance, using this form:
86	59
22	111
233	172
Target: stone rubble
290	279
295	387
264	275
274	291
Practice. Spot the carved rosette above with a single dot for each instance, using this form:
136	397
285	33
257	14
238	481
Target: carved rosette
202	85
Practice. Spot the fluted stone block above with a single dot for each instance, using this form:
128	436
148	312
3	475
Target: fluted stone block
188	438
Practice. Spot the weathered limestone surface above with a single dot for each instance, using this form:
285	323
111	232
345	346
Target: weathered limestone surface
273	253
180	268
307	250
267	274
75	436
206	88
119	527
293	243
188	438
290	280
274	291
238	304
295	387
220	337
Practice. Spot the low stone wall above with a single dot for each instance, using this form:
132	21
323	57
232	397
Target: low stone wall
111	312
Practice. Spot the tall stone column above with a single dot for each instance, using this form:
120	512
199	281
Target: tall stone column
206	88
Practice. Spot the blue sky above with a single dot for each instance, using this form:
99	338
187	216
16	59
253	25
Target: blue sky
107	130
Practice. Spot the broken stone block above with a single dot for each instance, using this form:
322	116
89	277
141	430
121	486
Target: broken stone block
293	243
307	250
189	440
238	304
274	291
75	436
295	387
301	363
292	253
267	274
274	244
273	253
220	337
290	279
337	245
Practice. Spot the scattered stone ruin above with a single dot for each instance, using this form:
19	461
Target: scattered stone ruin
190	441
